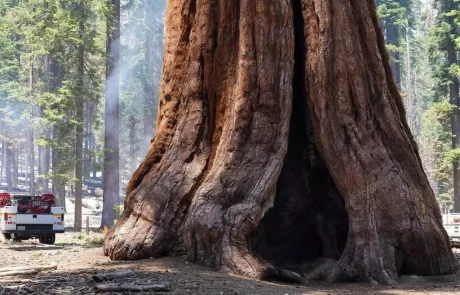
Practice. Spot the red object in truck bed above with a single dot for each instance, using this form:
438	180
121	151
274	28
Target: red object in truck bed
5	199
30	204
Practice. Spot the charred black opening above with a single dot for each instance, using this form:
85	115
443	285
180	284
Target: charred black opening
308	220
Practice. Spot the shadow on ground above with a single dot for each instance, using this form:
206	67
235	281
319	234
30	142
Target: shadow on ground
186	278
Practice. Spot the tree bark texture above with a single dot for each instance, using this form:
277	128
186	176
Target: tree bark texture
361	132
281	140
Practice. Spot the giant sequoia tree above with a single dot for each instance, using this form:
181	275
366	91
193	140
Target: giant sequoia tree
281	139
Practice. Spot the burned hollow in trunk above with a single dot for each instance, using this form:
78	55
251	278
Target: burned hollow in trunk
308	219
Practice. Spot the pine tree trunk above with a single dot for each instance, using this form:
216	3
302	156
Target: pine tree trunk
31	162
111	181
2	167
15	172
9	165
79	117
58	183
31	134
149	107
282	141
392	33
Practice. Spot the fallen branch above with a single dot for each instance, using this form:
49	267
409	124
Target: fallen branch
131	288
18	272
25	270
100	277
44	281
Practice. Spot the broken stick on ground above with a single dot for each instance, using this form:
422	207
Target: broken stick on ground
112	275
132	288
25	270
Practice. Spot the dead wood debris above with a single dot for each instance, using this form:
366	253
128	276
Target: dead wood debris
25	270
131	288
100	277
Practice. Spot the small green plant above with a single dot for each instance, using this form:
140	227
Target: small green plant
94	240
119	208
79	236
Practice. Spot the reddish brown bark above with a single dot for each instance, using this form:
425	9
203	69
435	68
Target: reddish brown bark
219	182
362	134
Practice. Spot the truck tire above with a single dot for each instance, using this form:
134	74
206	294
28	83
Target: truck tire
7	236
48	239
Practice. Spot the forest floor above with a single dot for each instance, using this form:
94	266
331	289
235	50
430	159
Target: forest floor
78	257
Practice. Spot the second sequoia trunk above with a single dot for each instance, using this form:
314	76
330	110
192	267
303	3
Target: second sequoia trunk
243	175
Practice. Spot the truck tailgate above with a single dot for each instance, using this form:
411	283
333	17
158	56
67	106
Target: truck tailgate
34	219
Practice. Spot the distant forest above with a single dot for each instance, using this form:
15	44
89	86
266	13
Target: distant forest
53	58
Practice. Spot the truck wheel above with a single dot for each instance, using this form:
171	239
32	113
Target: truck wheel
48	239
7	236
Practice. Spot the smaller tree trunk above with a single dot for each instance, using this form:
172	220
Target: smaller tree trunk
111	182
41	169
79	104
58	182
31	163
149	106
2	167
15	172
392	31
9	165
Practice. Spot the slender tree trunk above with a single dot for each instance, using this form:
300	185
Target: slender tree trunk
149	105
9	165
41	169
132	144
281	130
79	104
58	182
111	182
2	167
31	133
15	167
31	163
392	33
43	163
47	161
79	165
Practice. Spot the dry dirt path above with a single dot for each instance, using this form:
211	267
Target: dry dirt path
77	261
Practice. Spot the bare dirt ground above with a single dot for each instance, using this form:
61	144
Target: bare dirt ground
79	257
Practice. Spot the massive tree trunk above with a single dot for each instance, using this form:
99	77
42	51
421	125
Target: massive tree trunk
281	139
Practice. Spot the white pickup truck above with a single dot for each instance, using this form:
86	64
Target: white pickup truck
451	223
28	217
